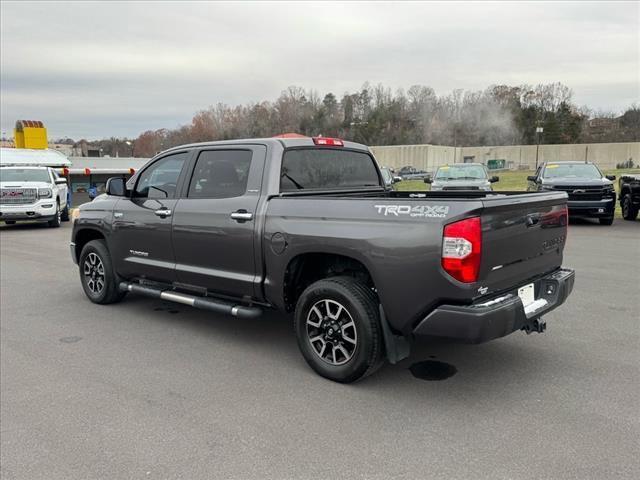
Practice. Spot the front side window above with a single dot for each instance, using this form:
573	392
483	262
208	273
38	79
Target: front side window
161	179
325	169
386	176
220	174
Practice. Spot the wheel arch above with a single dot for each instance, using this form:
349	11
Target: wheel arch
624	190
306	268
84	236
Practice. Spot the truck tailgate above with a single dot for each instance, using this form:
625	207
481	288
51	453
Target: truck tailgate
522	236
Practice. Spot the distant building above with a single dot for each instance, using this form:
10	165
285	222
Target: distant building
93	172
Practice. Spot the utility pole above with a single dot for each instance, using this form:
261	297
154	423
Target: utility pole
539	131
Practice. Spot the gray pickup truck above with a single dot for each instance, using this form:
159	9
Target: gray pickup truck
308	226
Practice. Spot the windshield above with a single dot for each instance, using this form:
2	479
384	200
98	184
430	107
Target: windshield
327	168
24	175
461	172
571	170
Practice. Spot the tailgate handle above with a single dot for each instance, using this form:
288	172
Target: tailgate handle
532	220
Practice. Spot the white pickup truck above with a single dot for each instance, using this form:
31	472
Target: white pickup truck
32	193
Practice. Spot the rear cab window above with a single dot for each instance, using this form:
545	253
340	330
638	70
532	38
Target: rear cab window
327	169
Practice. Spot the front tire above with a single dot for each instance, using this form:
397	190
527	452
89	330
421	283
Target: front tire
337	325
629	212
65	214
606	221
97	276
55	221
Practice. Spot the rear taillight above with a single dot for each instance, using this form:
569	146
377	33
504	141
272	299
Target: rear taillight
332	142
564	219
461	249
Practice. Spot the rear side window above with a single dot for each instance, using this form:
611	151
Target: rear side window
327	168
220	174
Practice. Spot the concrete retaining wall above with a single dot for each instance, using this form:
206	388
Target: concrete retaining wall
429	157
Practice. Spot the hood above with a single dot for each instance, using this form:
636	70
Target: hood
481	182
574	181
25	185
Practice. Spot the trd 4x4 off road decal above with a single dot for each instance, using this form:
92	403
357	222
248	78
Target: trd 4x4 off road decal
426	211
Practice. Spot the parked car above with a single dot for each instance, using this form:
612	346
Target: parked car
388	177
630	196
31	192
412	173
237	227
462	176
591	194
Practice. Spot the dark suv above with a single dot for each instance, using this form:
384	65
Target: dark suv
591	194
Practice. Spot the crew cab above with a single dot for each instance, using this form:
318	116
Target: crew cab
462	176
307	226
591	194
629	196
32	192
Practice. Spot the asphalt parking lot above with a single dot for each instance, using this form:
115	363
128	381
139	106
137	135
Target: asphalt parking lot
146	389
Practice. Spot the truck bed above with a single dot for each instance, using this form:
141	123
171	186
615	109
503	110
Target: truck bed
398	236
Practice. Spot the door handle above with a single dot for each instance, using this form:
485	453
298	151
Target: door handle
163	212
242	216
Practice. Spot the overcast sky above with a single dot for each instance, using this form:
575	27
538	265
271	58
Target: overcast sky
95	70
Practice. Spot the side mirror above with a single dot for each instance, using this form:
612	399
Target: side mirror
397	179
494	179
611	177
61	181
531	178
428	180
116	187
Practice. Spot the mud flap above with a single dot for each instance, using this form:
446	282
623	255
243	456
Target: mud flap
396	347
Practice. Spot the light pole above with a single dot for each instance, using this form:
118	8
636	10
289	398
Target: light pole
131	144
539	131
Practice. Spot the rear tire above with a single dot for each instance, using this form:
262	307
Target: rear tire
337	324
97	276
629	212
606	221
55	221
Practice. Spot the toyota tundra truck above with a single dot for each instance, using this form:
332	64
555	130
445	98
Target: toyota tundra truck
307	226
